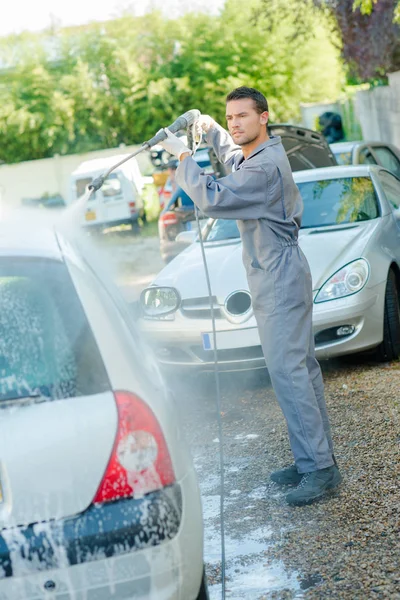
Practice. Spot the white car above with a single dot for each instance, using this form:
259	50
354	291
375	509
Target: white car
98	494
351	237
120	199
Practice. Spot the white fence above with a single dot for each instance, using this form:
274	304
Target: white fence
378	111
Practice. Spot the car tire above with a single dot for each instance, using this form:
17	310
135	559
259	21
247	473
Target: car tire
135	227
203	593
389	349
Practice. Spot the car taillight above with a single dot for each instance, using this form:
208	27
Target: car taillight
169	218
132	207
140	462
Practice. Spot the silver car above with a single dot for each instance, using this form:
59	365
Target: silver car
98	494
368	153
351	237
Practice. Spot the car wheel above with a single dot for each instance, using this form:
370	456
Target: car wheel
135	227
389	349
203	593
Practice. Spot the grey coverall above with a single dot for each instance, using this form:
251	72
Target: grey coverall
261	194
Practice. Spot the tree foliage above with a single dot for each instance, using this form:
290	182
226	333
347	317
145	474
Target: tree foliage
367	6
98	86
370	36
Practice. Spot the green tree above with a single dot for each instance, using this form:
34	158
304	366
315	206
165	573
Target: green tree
79	89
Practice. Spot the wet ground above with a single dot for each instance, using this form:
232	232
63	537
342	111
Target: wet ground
346	546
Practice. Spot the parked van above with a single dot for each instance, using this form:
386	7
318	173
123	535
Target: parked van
119	201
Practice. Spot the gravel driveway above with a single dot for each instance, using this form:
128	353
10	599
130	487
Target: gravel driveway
347	546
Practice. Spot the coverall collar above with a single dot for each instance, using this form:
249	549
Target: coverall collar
274	139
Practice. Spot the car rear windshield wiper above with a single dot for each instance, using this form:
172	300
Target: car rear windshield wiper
34	398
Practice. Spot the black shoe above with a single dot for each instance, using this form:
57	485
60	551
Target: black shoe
314	485
287	476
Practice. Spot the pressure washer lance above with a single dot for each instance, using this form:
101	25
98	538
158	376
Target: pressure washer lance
188	121
183	122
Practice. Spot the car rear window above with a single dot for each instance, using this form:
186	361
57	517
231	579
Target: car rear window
81	187
337	201
47	349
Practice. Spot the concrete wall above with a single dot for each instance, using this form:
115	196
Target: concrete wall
35	178
378	111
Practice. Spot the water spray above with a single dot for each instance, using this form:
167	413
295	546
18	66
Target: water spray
186	121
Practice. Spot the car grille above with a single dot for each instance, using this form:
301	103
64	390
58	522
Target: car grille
199	308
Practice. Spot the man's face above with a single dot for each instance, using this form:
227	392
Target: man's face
245	124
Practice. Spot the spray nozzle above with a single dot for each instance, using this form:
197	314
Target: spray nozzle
96	183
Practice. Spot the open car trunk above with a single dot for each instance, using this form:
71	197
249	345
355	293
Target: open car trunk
305	148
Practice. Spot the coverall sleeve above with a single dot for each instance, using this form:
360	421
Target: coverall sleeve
240	195
223	145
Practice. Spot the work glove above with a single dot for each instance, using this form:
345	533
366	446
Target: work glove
202	125
205	122
174	145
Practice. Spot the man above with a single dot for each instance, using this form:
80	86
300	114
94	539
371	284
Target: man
261	194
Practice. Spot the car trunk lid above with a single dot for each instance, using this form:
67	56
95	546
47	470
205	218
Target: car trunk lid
53	455
58	418
305	148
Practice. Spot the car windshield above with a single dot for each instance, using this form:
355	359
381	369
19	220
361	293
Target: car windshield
343	158
326	202
338	201
47	349
222	229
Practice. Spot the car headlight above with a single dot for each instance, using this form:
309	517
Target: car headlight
345	282
157	302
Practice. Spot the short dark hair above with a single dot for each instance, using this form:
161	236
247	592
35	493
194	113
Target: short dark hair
260	101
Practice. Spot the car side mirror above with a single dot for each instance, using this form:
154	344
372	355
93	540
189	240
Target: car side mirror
186	237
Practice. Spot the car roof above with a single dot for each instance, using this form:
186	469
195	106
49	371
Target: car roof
21	240
202	155
335	172
345	146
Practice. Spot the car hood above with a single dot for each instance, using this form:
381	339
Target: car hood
327	250
185	272
305	148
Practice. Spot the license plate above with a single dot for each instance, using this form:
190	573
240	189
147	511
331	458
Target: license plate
90	215
227	340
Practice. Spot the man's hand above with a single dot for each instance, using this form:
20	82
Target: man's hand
174	145
205	122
